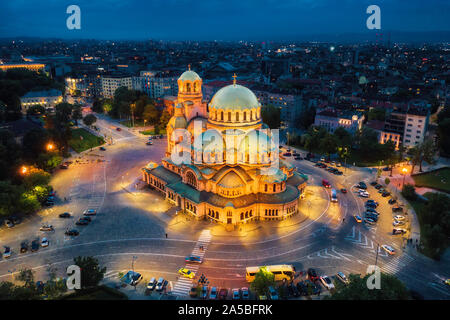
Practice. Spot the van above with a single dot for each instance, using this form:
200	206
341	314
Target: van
160	284
334	195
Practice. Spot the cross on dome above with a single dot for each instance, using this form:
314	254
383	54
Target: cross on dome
234	78
189	67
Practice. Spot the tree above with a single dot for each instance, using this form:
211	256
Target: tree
165	117
89	119
9	198
391	289
387	181
35	110
271	116
34	142
306	117
427	152
263	279
328	145
63	112
34	177
91	273
409	192
150	114
97	105
76	113
343	137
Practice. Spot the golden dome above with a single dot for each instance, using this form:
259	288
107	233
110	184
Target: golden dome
189	76
234	97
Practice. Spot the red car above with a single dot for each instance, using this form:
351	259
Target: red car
343	190
312	275
118	129
326	184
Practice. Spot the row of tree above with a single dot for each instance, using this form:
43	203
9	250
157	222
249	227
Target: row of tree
54	287
133	105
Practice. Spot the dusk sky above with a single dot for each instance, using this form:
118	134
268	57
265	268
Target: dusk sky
216	19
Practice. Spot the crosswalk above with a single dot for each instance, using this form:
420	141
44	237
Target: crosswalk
360	239
397	264
330	253
183	285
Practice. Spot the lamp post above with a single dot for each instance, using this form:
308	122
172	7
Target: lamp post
404	172
23	170
50	146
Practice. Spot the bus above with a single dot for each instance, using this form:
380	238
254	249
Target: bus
281	272
334	195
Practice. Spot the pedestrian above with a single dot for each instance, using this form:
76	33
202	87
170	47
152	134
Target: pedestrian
65	199
343	220
166	235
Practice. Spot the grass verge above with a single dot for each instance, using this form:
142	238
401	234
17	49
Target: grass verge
437	179
82	140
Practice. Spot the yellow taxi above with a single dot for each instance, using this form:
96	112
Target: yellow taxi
357	218
186	273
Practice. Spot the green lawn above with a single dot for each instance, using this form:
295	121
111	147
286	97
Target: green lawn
87	141
439	179
98	293
152	132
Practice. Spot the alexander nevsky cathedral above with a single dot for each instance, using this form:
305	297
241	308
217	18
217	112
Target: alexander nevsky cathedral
222	162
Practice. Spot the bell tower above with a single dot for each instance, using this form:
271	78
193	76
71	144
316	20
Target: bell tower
190	94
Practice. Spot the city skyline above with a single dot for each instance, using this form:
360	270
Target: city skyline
231	20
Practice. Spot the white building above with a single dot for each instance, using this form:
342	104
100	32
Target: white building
416	125
48	99
331	119
154	85
111	83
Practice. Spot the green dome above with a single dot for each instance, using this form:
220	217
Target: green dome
234	97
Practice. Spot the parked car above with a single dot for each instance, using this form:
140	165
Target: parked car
82	222
245	293
15	220
293	291
371	216
35	245
160	284
235	294
378	186
372	202
223	294
392	201
399	218
46	227
326	281
90	212
312	275
204	293
273	294
119	129
72	232
186	273
7	252
369	221
24	247
397	209
65	215
362	185
341	276
364	194
64	166
193	292
151	285
372	210
385	194
373	183
193	258
9	223
213	293
44	242
388	249
302	288
149	143
343	190
102	149
86	218
398	231
398	223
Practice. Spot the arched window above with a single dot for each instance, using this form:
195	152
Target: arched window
237	116
245	115
265	188
188	87
190	178
195	86
274	187
221	116
229	116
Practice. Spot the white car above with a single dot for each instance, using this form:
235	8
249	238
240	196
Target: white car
44	242
399	218
90	212
363	194
398	223
341	276
388	249
326	281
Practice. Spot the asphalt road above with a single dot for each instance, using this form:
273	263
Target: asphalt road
133	223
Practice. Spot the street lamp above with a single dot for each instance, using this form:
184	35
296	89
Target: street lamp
23	170
50	146
404	172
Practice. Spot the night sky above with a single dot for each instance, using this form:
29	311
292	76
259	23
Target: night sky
216	19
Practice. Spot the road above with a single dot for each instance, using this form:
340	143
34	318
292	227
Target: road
134	222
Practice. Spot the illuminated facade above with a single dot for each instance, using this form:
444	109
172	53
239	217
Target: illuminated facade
229	175
48	99
29	66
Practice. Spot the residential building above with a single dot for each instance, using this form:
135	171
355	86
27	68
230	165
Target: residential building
111	83
48	99
331	119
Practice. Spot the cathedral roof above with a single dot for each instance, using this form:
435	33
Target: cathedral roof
234	97
189	76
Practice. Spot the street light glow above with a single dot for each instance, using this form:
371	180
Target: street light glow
50	146
23	170
404	170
